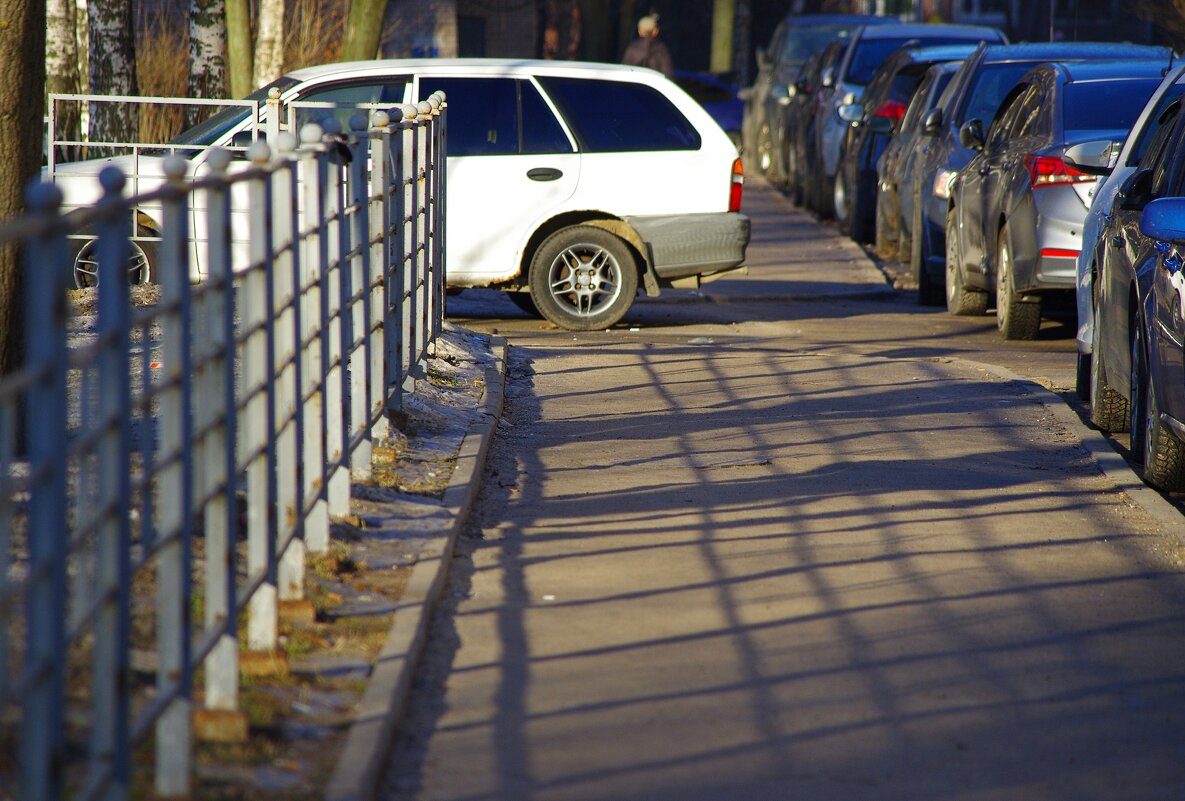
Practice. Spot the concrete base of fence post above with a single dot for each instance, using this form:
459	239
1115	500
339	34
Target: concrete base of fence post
220	726
263	664
297	613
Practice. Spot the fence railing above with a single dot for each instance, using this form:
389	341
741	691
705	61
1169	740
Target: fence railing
164	472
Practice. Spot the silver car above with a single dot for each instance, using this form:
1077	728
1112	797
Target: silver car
1014	224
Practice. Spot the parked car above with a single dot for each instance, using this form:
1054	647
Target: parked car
719	97
794	40
809	94
574	182
871	123
894	202
1119	289
975	93
1102	209
1014	228
844	84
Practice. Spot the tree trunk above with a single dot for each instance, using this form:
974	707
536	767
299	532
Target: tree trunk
112	72
61	70
723	16
364	28
240	59
22	88
269	42
207	54
598	36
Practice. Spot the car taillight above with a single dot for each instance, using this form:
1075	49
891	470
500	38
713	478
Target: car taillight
737	186
1050	171
891	109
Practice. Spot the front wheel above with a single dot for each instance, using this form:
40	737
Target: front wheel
141	261
1159	450
583	278
1017	317
961	300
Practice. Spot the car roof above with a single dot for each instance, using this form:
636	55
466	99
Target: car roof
377	66
839	19
1080	71
941	52
1060	51
917	31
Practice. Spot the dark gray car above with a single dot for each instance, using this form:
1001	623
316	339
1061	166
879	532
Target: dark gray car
975	93
1014	225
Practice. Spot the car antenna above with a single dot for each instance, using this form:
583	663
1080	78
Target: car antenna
1169	68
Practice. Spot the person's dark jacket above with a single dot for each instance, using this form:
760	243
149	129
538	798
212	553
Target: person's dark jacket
647	51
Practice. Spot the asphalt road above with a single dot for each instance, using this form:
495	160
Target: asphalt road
795	538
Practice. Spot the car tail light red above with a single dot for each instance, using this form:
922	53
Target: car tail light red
891	109
737	186
1050	171
1059	253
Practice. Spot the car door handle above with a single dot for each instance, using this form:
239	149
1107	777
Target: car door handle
985	170
544	174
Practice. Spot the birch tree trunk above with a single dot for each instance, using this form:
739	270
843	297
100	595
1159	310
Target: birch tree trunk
22	90
240	58
207	54
269	42
112	72
62	73
364	27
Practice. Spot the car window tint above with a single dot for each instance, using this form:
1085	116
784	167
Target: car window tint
620	117
541	131
1030	114
1167	107
482	114
918	104
989	88
871	53
1003	124
1104	105
387	90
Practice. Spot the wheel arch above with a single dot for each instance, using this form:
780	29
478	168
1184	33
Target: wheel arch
597	219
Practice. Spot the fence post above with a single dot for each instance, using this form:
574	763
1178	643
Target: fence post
333	376
377	279
356	298
43	746
175	490
440	165
408	300
424	233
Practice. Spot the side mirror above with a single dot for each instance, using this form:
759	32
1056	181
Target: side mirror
851	113
1164	219
881	125
1136	191
1093	157
971	135
827	77
932	122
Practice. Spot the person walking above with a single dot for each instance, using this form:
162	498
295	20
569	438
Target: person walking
647	50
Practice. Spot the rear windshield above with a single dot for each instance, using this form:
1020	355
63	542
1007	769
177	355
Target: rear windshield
871	53
1105	105
990	87
620	117
802	41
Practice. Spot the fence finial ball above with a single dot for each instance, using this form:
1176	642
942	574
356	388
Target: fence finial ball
434	100
175	167
424	108
273	93
112	179
331	126
311	133
259	152
219	160
409	111
358	122
286	142
380	119
43	196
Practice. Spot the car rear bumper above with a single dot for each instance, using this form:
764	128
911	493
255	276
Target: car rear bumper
692	244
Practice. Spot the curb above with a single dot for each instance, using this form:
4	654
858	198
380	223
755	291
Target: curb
360	765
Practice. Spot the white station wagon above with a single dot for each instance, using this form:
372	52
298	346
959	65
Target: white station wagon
577	183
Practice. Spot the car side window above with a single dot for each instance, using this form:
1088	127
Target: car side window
917	105
497	117
1168	174
1030	113
1169	106
1161	130
620	116
387	91
1006	117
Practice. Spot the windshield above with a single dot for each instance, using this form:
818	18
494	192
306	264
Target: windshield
1104	105
991	86
802	41
209	131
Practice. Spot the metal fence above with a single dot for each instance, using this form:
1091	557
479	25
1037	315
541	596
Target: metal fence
163	476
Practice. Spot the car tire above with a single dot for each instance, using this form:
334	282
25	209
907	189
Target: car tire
141	264
1109	409
886	238
861	214
930	292
525	303
794	178
583	278
961	300
1153	445
1016	318
840	207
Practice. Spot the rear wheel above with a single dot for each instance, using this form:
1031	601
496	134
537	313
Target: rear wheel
961	300
140	264
1017	317
840	203
1159	450
583	278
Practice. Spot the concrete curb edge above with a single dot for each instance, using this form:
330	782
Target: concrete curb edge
360	765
